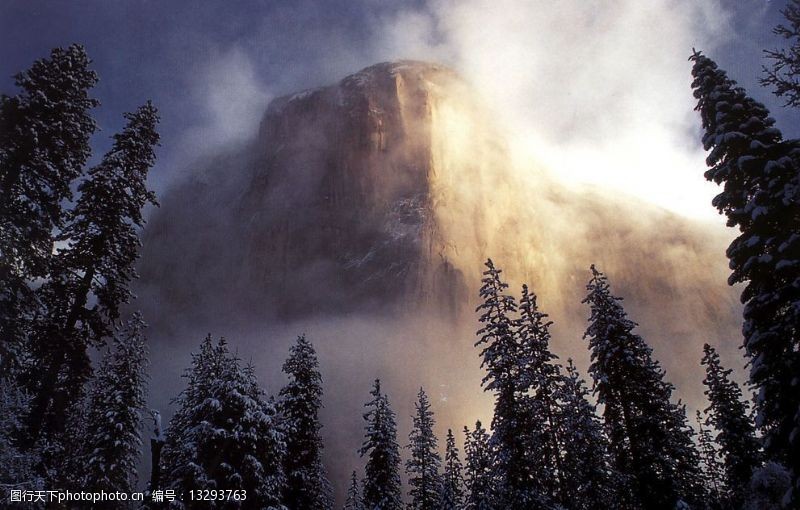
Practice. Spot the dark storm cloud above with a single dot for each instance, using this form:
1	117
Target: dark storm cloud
164	50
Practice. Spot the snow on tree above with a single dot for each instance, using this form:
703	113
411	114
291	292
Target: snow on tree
224	434
44	144
497	340
760	178
728	414
712	468
478	470
650	442
685	457
783	76
514	435
424	465
116	400
307	486
63	457
353	498
17	465
767	488
586	470
382	489
538	386
90	277
453	479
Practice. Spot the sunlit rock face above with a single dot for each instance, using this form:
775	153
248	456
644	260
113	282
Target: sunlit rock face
331	209
340	200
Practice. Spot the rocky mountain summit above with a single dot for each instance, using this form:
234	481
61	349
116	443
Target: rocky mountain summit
342	191
386	192
330	208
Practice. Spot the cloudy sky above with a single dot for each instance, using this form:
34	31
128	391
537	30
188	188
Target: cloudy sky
598	90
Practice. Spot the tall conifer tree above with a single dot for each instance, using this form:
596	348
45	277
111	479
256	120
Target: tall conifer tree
539	384
453	480
479	475
44	145
307	486
90	277
649	439
353	498
760	174
116	400
712	470
424	465
728	414
586	470
513	434
382	489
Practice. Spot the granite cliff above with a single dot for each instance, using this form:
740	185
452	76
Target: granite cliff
384	193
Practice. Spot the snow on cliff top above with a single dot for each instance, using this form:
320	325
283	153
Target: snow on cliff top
359	80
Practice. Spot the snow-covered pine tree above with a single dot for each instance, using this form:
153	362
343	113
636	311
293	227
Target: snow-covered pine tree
586	470
63	459
17	465
116	400
783	76
353	499
307	486
685	457
496	336
424	465
761	177
479	475
712	469
513	437
768	488
382	489
728	414
44	145
649	440
538	385
90	277
453	479
224	434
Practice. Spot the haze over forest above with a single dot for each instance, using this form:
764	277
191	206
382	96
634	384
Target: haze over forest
344	171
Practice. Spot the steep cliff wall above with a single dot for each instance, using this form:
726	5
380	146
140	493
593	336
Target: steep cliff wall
341	194
330	209
384	194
